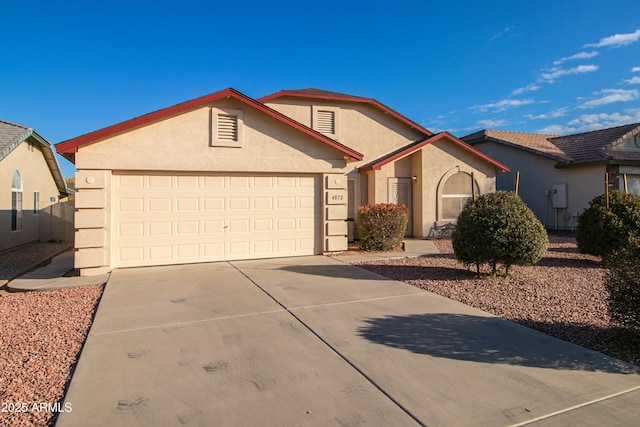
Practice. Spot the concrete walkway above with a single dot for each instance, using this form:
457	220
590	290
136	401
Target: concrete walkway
52	276
315	341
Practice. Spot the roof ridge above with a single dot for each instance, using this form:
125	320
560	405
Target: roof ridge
15	124
524	133
598	130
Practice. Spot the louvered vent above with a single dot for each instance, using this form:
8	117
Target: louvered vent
227	127
326	122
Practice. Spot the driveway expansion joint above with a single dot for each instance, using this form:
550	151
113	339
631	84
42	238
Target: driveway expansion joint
335	350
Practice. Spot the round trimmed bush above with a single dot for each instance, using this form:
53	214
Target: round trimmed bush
382	226
499	228
602	231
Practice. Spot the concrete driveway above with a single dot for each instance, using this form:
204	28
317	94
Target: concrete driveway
314	341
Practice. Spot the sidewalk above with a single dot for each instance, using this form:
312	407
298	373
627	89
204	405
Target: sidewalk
52	276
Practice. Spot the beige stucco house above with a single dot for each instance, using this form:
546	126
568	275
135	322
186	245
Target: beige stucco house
32	186
560	175
226	177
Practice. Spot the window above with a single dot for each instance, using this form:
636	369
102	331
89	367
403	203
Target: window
325	121
36	202
455	193
226	127
16	202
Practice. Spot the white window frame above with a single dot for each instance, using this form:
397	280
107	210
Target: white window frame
16	202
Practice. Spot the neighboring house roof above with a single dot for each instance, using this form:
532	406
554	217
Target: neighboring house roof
69	148
312	93
415	146
577	149
13	134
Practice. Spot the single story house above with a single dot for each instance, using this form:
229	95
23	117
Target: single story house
560	175
31	186
225	177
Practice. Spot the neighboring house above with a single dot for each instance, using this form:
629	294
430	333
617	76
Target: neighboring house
560	175
31	185
226	177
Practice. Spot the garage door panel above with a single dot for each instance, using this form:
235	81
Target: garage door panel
165	219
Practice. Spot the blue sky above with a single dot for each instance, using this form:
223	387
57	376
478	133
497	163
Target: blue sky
552	66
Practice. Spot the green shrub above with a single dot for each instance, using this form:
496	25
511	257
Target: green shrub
498	228
623	283
602	231
382	226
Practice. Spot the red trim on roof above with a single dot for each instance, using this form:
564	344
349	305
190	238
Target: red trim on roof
71	146
412	148
346	98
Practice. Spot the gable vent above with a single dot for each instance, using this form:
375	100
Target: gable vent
326	122
227	127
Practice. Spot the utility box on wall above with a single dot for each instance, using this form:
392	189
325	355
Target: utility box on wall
559	197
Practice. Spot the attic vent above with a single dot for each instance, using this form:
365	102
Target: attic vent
326	122
227	127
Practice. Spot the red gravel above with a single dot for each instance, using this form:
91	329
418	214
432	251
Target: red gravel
42	335
562	295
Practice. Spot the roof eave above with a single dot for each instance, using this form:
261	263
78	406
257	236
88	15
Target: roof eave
69	147
348	98
413	147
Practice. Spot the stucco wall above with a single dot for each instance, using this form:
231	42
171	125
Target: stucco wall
29	160
183	142
361	126
538	175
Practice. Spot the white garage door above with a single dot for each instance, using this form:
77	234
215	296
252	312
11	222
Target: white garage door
173	219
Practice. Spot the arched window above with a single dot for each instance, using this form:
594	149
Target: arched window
16	202
455	193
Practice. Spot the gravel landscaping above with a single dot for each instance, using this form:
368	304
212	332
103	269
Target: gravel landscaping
43	333
563	295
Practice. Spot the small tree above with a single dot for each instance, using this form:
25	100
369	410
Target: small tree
602	231
623	283
382	226
499	228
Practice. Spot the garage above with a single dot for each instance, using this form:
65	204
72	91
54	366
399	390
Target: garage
161	218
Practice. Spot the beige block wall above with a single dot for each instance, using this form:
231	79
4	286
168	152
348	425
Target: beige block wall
29	160
92	221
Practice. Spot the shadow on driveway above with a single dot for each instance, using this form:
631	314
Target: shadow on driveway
484	339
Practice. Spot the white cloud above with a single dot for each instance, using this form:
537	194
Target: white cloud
633	81
553	74
485	124
617	40
503	105
528	88
635	70
609	96
581	55
560	112
502	33
589	122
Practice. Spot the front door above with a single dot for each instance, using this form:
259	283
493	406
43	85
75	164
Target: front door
399	192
